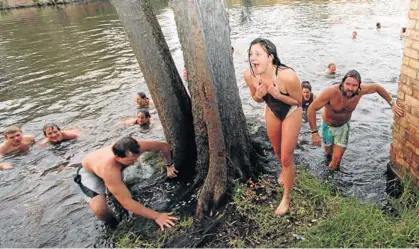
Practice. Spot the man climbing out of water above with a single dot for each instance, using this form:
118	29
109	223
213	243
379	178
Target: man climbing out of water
102	169
339	101
15	142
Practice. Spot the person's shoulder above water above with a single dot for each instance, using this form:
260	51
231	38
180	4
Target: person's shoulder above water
54	135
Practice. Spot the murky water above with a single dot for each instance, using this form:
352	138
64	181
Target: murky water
73	65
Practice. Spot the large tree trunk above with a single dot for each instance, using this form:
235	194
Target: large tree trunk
163	81
204	35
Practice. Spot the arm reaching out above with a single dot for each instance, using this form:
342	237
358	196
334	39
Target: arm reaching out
117	187
149	145
376	88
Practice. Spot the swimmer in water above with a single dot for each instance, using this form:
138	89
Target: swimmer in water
142	119
15	142
142	100
54	135
308	98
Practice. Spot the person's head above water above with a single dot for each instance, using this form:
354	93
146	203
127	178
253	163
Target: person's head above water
143	117
351	84
306	86
354	34
263	56
331	68
53	132
142	95
126	151
378	25
13	134
142	99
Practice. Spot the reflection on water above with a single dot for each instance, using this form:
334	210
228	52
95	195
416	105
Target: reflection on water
73	65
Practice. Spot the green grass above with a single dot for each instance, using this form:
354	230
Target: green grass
319	217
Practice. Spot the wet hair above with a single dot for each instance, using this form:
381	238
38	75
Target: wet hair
306	84
331	64
378	24
124	145
354	32
353	74
142	95
232	49
10	130
145	112
50	125
404	29
270	48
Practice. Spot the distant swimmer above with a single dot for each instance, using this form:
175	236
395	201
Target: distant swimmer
102	169
308	98
378	25
54	135
15	142
142	119
354	35
403	32
331	70
339	102
142	100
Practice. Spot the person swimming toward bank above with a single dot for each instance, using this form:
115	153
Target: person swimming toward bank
308	98
54	135
142	100
278	85
142	119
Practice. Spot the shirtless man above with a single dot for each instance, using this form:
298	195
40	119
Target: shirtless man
339	101
15	142
54	135
101	169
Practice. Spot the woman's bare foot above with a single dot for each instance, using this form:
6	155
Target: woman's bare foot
283	206
281	179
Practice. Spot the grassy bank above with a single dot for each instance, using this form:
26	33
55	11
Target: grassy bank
319	217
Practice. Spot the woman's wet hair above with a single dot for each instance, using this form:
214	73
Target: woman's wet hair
50	125
125	145
270	48
404	29
145	112
306	84
142	95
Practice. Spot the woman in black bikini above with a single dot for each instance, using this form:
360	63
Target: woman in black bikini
278	85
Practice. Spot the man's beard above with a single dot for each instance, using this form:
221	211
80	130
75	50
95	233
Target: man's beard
343	91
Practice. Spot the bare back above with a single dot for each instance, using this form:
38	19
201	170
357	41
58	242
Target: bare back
102	163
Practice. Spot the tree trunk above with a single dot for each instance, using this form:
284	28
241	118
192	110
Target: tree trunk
204	35
163	81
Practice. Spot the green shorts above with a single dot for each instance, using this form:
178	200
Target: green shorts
335	135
